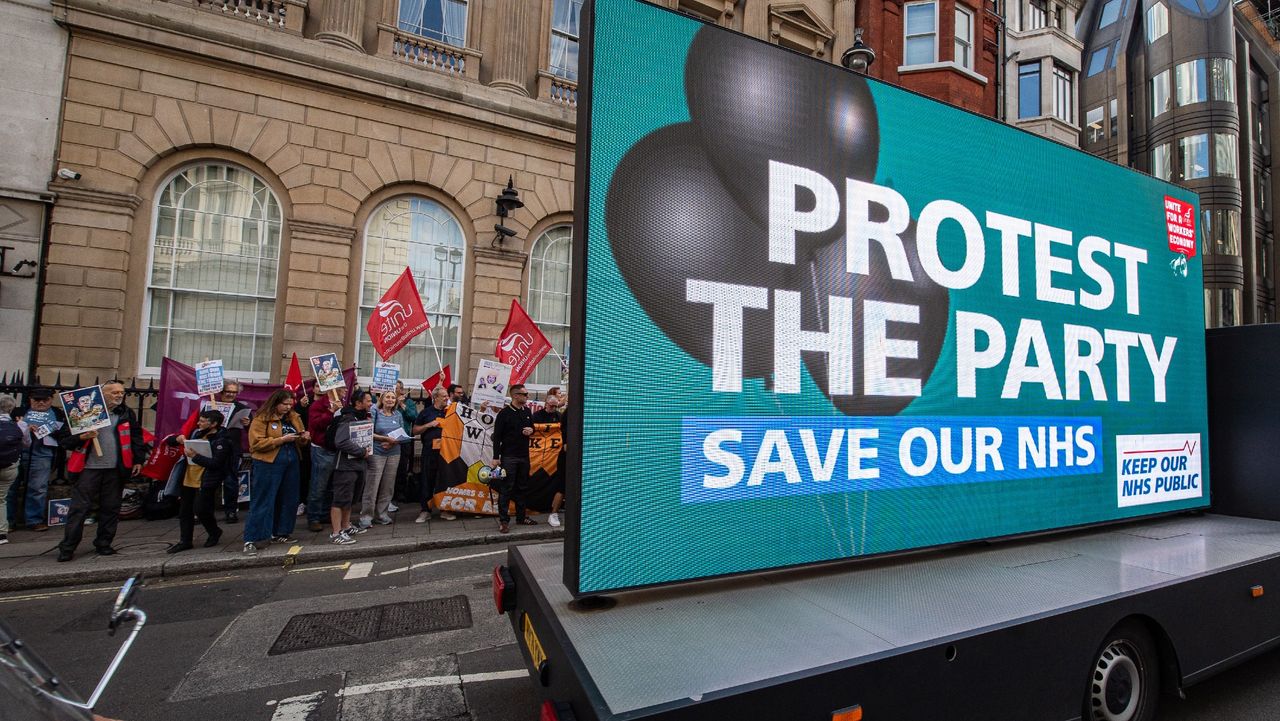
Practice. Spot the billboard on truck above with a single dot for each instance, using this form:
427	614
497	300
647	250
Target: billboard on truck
821	317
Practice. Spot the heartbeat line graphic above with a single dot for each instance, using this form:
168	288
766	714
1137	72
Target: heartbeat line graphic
1189	447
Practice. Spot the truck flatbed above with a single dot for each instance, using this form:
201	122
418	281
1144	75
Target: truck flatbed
664	648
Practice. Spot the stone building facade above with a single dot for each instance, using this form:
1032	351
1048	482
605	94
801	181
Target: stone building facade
338	114
254	173
32	51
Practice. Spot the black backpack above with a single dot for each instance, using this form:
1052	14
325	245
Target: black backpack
330	433
10	443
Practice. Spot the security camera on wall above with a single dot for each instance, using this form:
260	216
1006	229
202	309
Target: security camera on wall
68	174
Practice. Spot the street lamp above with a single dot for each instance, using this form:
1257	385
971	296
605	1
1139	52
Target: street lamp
859	57
507	201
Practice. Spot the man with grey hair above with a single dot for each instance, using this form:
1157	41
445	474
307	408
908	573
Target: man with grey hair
13	437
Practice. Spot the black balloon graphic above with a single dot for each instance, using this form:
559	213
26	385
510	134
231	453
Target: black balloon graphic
670	219
690	201
753	103
825	276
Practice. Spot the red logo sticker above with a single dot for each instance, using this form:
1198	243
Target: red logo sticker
1180	219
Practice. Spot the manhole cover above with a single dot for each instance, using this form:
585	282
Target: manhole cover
375	623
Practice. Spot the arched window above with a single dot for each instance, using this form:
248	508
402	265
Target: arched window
418	233
211	284
550	273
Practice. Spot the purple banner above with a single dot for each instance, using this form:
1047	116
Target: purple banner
178	398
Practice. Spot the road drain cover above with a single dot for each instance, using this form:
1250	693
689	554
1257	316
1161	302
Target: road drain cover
376	623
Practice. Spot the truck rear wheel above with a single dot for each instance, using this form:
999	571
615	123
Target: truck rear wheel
1124	681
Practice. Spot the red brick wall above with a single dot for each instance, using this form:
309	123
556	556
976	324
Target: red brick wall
883	24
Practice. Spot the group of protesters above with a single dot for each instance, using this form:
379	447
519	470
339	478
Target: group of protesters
351	486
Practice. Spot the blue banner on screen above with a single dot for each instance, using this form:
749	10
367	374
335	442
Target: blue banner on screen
811	324
727	459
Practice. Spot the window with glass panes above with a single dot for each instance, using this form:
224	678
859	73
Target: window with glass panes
1063	107
1157	22
964	38
418	233
564	38
550	278
211	281
443	20
920	34
1035	15
1029	90
1193	156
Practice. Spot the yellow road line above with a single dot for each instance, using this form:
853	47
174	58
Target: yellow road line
336	567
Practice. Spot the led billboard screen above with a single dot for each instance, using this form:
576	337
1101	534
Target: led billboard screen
822	317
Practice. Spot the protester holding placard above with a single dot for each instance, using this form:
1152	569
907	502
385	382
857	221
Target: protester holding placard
406	488
319	419
427	425
233	425
388	433
43	420
275	436
550	413
511	433
98	470
211	456
346	437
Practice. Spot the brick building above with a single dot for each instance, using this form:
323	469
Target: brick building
254	173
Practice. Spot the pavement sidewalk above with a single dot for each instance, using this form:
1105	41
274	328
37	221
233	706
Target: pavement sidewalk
29	559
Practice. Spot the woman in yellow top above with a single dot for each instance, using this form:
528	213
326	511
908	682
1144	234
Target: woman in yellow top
275	435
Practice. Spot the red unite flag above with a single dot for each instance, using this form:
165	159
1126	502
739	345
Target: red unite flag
521	344
441	379
398	318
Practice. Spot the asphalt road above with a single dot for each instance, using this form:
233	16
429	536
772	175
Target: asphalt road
232	646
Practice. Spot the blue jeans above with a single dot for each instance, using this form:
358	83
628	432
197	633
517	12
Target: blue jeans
273	498
320	495
39	467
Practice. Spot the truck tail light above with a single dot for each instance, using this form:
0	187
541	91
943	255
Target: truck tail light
504	590
552	711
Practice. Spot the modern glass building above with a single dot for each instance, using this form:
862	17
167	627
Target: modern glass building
1180	89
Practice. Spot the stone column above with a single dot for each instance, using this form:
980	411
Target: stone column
510	53
499	277
316	298
82	316
342	24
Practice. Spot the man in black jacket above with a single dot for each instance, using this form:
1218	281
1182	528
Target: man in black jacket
511	431
202	479
101	477
349	467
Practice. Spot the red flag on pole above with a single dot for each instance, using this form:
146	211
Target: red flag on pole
441	379
398	317
293	380
521	344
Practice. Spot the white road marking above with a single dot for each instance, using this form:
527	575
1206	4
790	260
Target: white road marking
402	569
335	567
406	683
298	708
358	570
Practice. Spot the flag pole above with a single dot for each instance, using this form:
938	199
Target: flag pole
435	347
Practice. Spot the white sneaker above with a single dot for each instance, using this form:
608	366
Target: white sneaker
423	517
302	509
554	520
250	549
392	508
341	539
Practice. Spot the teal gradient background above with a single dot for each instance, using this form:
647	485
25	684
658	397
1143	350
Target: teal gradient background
638	384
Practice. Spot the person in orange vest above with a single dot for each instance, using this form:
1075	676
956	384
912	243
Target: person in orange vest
101	478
